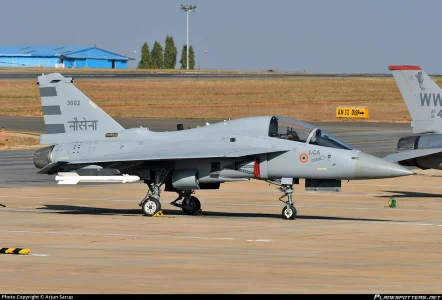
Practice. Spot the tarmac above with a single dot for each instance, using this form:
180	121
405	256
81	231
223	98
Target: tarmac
92	238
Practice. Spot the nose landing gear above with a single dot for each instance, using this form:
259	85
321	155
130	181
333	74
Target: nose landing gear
286	186
289	211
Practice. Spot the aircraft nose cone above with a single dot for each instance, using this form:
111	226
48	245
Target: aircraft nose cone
369	166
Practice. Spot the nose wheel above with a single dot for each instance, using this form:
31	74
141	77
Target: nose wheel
289	212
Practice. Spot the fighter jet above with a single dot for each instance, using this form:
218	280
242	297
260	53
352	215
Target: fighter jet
423	98
87	145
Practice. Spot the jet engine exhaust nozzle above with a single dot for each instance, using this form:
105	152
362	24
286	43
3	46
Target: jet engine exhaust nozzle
43	157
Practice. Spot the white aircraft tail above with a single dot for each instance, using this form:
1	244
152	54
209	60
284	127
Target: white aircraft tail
70	114
422	96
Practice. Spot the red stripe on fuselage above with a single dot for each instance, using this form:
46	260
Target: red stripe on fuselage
256	168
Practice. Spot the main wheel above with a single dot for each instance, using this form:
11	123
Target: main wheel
289	213
192	207
151	206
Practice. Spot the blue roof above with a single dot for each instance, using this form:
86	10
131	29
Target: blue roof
55	51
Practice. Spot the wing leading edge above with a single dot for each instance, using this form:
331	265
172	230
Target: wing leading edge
409	154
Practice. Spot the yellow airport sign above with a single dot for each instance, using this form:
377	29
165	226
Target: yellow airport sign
360	112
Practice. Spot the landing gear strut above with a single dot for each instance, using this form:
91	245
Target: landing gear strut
286	186
151	204
289	211
189	204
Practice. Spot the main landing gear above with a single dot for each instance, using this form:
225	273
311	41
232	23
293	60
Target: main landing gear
286	186
151	204
189	204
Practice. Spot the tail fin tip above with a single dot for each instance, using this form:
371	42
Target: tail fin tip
404	67
53	78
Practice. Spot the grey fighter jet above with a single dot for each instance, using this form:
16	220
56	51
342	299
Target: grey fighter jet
87	145
423	98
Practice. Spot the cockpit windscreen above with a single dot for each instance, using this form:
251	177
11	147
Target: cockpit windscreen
294	130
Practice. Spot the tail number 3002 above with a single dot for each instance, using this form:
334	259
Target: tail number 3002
73	102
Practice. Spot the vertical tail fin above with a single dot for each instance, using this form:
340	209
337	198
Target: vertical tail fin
422	96
68	113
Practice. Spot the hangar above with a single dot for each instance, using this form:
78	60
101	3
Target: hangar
61	57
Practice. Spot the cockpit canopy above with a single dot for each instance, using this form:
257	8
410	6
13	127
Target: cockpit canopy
290	129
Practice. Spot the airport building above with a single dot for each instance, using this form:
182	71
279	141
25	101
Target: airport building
61	57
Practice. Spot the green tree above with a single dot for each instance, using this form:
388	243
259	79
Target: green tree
170	53
183	60
145	62
191	58
157	56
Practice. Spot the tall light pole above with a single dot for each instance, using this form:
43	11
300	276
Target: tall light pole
187	8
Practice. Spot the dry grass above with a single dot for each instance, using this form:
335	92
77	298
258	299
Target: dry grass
310	99
17	140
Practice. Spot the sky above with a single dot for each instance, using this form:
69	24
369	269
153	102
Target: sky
342	36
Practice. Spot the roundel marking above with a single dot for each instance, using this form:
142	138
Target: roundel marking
303	157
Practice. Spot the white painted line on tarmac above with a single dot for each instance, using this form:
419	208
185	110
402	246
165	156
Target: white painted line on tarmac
246	204
371	184
70	198
262	241
395	185
165	236
386	222
38	255
204	238
322	207
340	194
